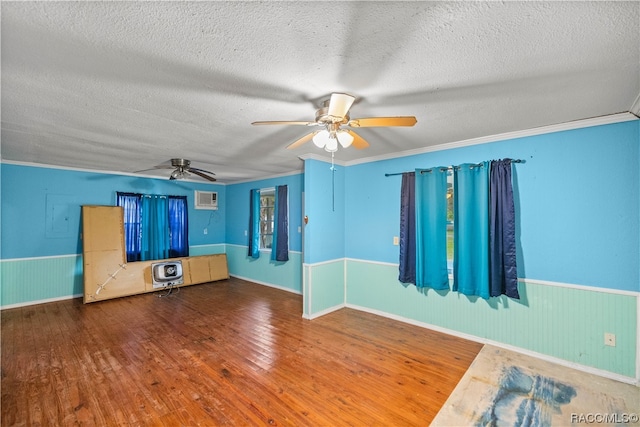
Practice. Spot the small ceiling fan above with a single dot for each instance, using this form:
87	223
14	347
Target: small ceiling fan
333	114
182	169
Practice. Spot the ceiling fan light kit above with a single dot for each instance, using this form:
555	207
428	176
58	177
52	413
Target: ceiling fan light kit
330	137
333	114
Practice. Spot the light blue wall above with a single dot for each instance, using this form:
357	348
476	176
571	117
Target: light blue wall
577	204
324	237
41	207
577	207
286	275
33	280
325	207
41	227
324	288
237	200
40	242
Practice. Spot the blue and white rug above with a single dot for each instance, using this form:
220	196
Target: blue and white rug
504	388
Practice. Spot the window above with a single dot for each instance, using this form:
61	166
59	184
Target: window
156	226
267	211
269	222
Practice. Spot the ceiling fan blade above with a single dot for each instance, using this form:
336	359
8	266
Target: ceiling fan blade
339	104
358	141
201	173
154	168
200	170
284	122
382	121
302	140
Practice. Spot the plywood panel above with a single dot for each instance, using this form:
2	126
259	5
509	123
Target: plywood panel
105	277
138	274
107	274
103	253
197	269
103	229
218	269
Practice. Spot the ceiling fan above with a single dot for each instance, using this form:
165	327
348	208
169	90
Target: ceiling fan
182	169
333	114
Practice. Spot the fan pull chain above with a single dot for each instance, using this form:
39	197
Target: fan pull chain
333	184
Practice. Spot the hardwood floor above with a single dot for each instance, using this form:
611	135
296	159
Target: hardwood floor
225	353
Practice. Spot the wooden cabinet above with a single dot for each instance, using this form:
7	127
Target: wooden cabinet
105	270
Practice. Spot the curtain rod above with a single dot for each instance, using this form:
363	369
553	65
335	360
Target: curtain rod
451	167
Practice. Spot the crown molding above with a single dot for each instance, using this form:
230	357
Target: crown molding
280	175
635	107
577	124
139	175
99	171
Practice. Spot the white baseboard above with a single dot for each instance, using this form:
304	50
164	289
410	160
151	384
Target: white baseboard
42	301
323	312
271	285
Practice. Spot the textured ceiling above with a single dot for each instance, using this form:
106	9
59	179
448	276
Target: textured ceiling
124	86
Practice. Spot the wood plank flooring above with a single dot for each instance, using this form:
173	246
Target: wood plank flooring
224	353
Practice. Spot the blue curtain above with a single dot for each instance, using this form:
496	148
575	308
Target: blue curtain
431	228
280	246
254	224
155	227
130	203
407	268
502	232
178	227
471	229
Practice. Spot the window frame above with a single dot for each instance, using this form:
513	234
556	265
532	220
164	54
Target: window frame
267	218
450	221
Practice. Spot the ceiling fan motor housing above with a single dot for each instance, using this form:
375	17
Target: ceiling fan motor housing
180	163
323	117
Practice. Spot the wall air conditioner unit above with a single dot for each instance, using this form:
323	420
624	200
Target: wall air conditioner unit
206	200
165	274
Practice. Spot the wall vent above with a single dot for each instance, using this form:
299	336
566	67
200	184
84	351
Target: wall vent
206	200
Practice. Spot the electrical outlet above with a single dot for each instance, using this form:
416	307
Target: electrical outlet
610	339
205	231
396	240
